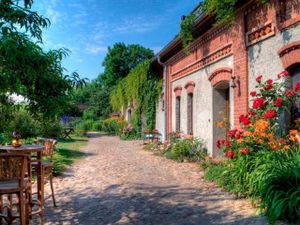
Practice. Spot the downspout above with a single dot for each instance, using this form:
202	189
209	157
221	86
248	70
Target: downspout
165	77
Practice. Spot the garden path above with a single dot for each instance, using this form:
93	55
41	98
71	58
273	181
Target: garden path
119	183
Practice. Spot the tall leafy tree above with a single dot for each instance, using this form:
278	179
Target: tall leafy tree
120	60
25	68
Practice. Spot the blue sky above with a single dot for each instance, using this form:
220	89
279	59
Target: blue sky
88	27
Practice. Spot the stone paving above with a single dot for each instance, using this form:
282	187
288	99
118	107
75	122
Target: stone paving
119	183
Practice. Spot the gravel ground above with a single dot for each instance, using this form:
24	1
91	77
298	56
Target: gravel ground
119	183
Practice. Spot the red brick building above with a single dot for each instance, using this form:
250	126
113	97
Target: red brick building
213	81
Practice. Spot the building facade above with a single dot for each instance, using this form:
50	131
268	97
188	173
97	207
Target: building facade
212	82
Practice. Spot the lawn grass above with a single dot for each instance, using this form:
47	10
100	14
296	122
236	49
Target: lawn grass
67	152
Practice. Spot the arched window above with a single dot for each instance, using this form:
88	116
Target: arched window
177	108
190	113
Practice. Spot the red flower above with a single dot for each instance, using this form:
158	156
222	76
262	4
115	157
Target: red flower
244	120
290	93
227	143
231	154
246	151
258	103
253	93
241	152
219	144
283	74
269	114
226	153
278	102
232	133
259	78
269	85
297	87
251	113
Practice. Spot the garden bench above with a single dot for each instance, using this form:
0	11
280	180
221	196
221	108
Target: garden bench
151	137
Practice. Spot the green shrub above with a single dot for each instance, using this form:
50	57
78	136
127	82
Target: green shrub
114	126
187	149
83	127
97	125
273	178
50	129
89	114
24	123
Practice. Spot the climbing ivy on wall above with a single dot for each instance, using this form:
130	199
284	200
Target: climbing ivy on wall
142	88
224	11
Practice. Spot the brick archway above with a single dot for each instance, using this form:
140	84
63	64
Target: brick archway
177	91
290	54
189	86
220	75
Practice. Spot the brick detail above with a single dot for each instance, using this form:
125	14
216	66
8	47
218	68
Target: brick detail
220	75
240	68
261	33
177	91
190	86
205	61
290	54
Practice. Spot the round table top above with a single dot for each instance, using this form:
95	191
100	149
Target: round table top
25	148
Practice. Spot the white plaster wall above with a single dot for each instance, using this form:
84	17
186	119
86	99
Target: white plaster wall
263	57
160	120
202	105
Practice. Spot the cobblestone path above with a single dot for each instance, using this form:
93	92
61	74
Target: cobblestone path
119	183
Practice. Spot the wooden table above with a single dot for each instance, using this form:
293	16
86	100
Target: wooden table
30	149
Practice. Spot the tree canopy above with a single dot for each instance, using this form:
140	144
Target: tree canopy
25	68
120	60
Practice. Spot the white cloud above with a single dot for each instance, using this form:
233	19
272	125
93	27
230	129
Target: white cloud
94	49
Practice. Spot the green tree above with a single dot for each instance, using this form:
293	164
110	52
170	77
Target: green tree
120	60
25	68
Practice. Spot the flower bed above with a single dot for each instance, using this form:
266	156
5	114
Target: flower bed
263	155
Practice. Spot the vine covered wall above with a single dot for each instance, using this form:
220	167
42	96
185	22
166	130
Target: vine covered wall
141	89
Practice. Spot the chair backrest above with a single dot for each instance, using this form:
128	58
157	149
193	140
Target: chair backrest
13	167
49	148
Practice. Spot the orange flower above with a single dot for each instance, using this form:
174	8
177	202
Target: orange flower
247	134
293	134
239	141
286	147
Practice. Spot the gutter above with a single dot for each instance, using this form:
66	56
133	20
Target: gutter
165	77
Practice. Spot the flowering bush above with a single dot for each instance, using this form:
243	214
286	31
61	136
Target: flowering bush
263	164
258	128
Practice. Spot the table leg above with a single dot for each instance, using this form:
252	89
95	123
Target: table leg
40	183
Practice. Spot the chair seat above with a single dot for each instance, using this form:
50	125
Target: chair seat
12	186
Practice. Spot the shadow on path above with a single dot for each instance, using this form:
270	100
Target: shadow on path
143	205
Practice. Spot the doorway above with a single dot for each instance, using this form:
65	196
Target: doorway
221	114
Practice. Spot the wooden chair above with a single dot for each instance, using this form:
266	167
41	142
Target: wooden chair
47	164
13	168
